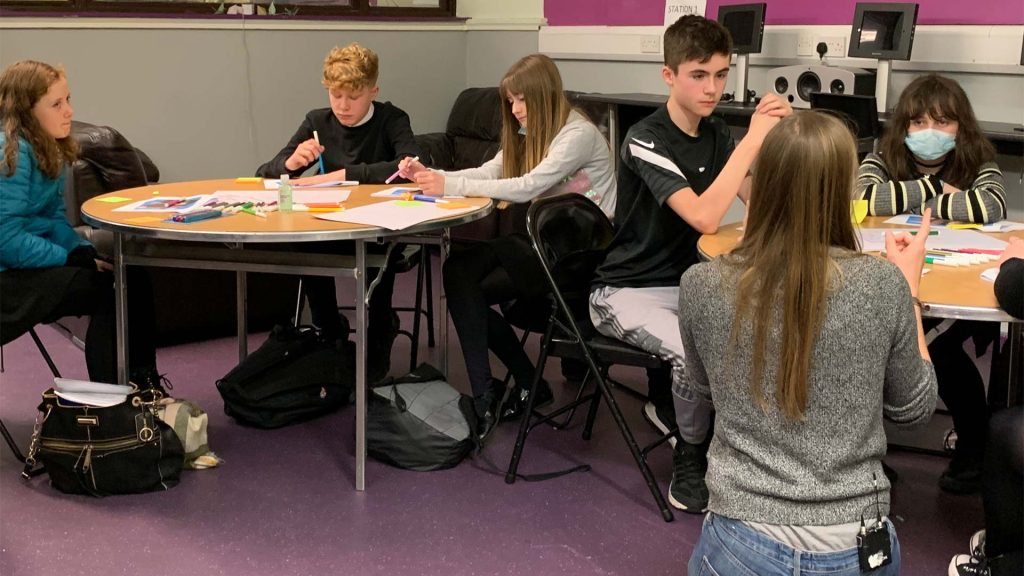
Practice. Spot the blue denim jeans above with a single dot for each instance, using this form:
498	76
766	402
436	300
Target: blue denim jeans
728	547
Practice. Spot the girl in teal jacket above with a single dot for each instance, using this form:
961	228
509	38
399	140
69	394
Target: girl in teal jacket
46	270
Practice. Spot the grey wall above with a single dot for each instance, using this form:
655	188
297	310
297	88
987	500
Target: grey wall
489	53
217	103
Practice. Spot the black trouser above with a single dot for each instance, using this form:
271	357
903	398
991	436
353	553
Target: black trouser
1003	492
323	298
960	385
475	280
91	293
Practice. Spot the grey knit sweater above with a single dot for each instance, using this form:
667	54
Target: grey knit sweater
865	364
983	202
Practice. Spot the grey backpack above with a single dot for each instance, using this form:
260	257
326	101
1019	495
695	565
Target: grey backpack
419	422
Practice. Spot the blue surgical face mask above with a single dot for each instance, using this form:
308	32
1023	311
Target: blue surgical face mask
930	144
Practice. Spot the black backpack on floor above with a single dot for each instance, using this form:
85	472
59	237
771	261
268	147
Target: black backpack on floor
294	376
419	422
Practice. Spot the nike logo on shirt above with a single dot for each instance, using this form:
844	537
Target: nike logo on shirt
644	144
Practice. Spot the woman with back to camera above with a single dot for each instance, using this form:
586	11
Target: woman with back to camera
47	270
803	345
547	148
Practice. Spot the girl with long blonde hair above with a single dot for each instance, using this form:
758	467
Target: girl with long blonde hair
546	148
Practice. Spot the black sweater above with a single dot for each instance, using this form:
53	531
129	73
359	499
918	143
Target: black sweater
369	153
1009	287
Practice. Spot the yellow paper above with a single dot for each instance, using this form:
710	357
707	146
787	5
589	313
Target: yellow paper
113	199
143	220
411	203
962	225
245	179
858	210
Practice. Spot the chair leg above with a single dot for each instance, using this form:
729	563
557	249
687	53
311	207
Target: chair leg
416	309
572	413
588	428
524	423
42	350
634	449
427	267
298	304
10	442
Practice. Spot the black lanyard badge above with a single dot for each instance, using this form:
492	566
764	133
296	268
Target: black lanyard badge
874	548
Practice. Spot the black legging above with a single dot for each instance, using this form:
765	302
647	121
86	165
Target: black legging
92	293
474	280
1003	492
960	385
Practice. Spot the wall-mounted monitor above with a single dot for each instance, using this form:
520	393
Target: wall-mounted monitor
883	31
745	23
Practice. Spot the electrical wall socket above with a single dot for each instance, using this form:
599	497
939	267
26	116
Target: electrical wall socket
836	46
805	44
650	44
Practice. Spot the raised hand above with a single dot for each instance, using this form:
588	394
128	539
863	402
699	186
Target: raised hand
907	251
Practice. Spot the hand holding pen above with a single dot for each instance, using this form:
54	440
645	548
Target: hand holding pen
408	168
305	154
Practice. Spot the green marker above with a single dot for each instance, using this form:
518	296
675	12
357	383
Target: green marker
930	232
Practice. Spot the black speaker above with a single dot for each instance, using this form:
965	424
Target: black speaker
796	83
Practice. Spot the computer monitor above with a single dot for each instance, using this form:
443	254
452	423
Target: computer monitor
883	31
860	111
745	23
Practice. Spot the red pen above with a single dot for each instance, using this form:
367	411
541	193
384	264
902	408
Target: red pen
979	251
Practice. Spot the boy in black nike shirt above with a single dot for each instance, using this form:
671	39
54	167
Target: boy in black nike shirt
679	174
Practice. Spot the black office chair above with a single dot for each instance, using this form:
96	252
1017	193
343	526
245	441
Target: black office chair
570	235
3	429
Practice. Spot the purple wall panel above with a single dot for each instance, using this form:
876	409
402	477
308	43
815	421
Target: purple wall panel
651	12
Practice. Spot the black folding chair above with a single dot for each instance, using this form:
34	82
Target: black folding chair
570	235
3	429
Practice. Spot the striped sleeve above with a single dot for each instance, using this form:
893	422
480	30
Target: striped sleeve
887	197
983	202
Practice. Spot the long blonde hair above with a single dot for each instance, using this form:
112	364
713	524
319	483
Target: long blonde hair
799	210
22	85
535	77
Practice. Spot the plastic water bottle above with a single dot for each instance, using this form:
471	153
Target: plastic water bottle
284	195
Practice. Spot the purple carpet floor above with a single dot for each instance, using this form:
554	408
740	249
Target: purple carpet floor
283	503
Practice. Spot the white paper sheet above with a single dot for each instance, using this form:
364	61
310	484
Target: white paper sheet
873	240
274	184
90	393
393	215
303	196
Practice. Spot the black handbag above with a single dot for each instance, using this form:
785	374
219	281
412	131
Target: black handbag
294	376
120	449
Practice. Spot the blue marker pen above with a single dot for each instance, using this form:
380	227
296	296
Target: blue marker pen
431	199
320	157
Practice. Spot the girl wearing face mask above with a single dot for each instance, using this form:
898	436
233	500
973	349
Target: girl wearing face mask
933	155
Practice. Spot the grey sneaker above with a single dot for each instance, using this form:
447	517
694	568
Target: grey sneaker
688	491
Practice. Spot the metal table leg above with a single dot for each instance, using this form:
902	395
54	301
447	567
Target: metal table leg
121	308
